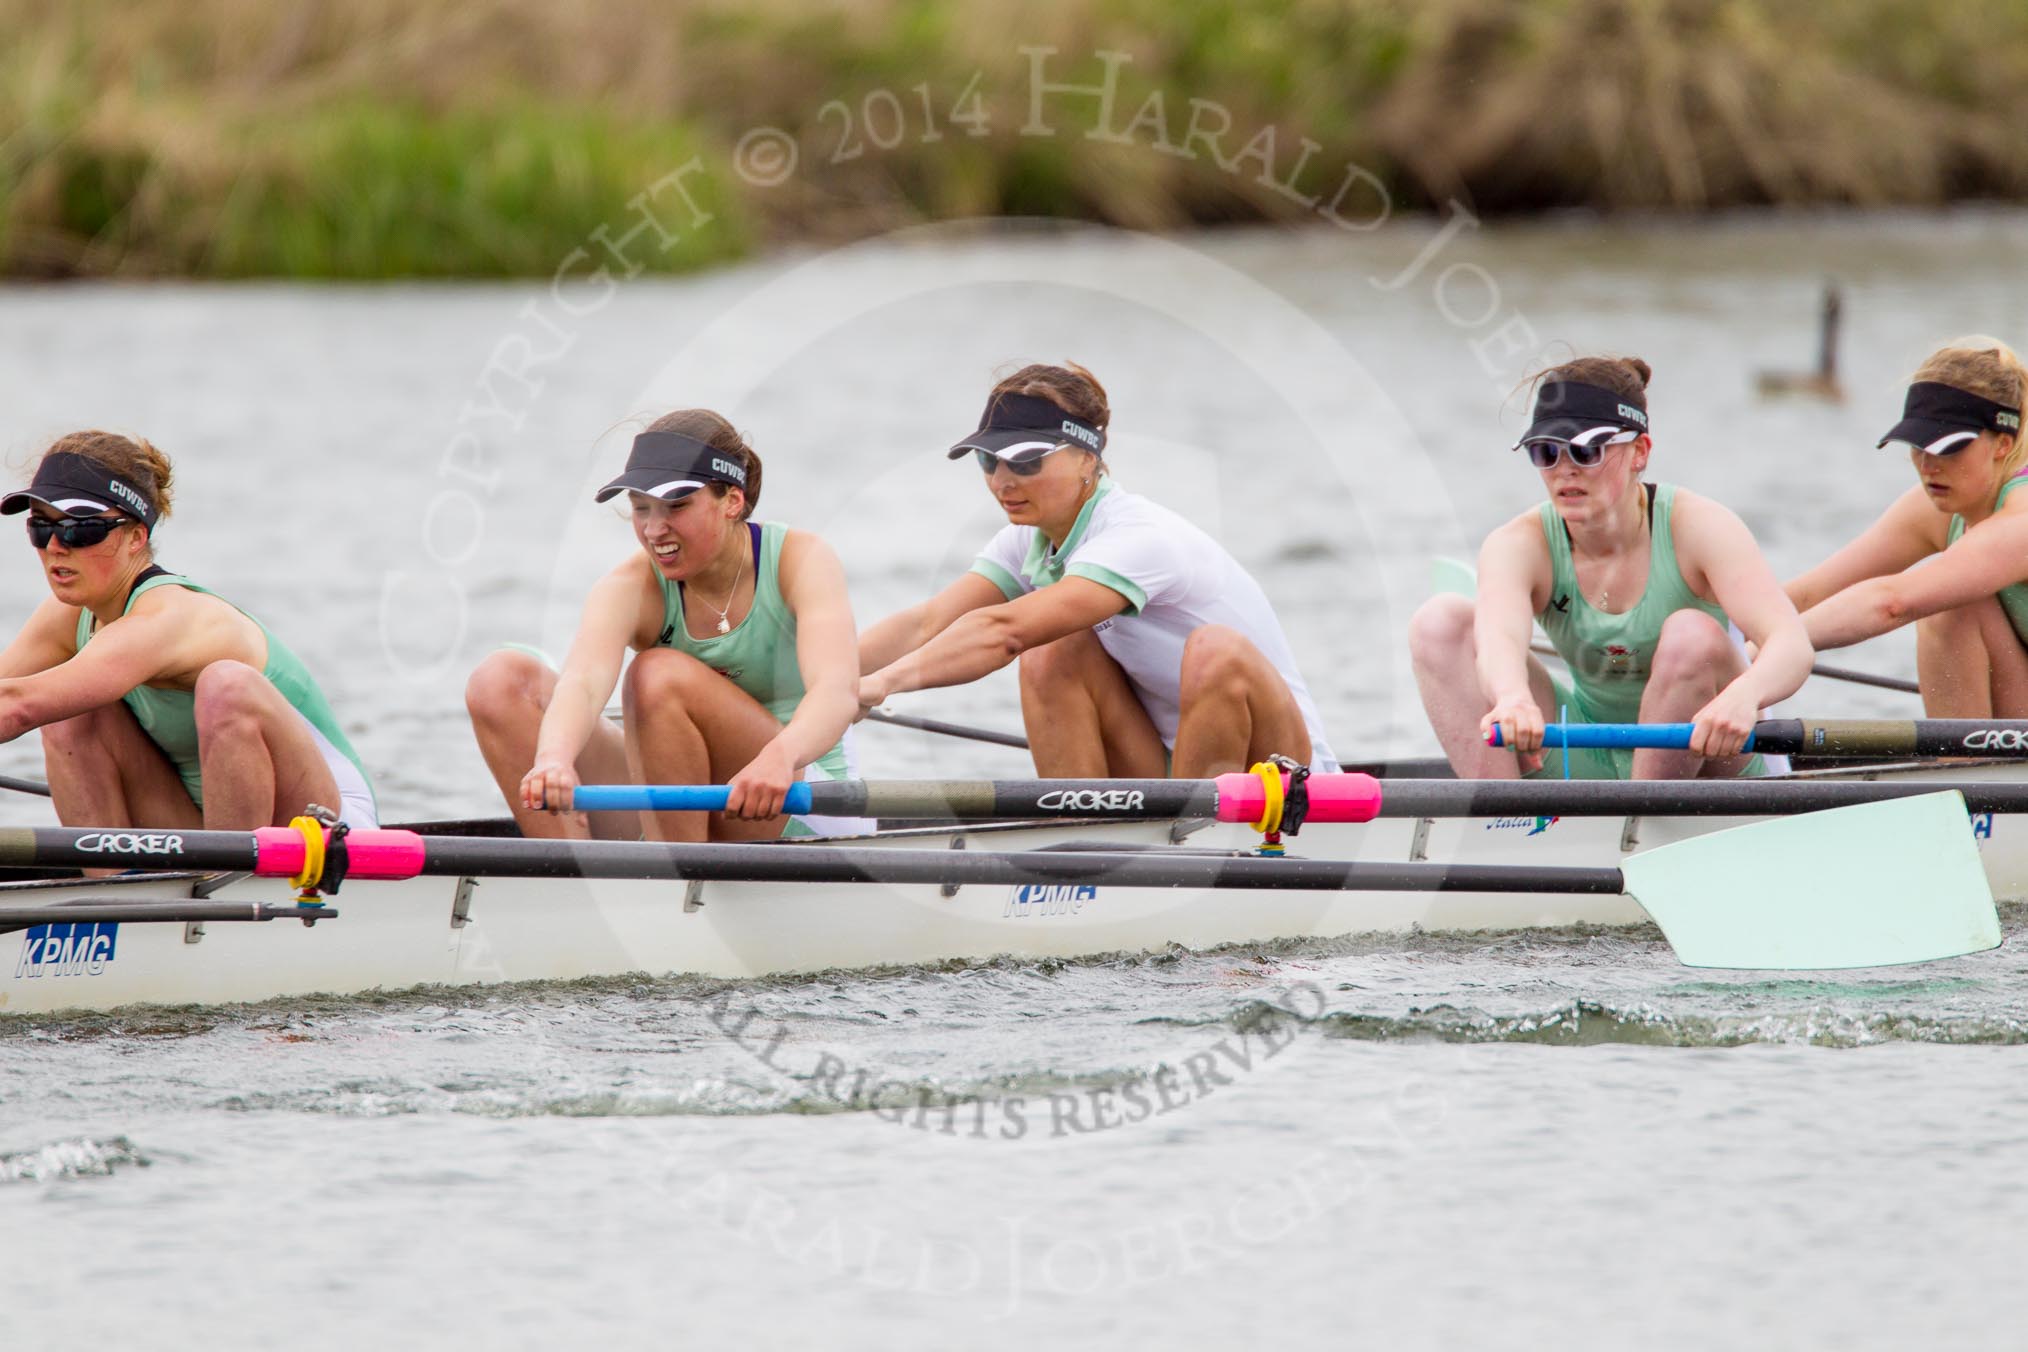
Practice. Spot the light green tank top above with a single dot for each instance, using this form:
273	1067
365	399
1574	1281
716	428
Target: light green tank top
1610	656
759	654
2013	596
169	717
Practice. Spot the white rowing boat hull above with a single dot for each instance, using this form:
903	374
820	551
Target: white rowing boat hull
451	931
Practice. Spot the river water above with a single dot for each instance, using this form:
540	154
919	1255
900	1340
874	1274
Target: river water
1437	1142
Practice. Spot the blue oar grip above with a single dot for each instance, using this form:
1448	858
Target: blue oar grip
1618	736
671	798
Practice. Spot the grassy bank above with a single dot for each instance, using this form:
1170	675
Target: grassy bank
366	138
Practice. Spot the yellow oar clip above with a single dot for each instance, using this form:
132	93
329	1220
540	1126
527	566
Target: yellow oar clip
1271	807
305	883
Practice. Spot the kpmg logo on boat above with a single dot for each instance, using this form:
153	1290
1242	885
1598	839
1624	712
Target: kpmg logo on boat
1048	899
79	948
1535	826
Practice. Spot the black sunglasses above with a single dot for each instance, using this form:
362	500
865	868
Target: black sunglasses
76	532
1026	466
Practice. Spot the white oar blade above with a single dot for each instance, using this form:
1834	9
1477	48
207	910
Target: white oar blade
1866	886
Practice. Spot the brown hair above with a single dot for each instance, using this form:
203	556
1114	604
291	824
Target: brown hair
1625	376
720	435
134	459
1070	387
1988	368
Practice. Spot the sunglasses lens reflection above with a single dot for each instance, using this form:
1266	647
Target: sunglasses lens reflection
1545	453
76	532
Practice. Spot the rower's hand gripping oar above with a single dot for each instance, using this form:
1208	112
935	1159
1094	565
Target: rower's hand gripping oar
1997	737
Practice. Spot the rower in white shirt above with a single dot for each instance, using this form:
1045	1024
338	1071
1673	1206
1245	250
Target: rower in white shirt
1145	649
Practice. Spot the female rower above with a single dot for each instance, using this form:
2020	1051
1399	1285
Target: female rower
746	660
160	703
1144	648
1633	583
1961	423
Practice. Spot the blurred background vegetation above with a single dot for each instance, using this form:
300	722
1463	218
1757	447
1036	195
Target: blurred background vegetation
435	138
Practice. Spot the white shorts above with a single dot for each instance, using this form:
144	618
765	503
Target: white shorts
355	805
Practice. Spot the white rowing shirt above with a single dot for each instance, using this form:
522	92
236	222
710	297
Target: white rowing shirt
1176	579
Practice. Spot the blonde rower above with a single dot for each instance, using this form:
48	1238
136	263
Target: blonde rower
1961	428
1634	584
745	669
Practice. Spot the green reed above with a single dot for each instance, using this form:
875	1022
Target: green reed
438	138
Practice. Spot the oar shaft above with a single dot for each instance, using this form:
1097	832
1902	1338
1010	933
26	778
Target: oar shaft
156	912
70	847
1670	797
1998	737
998	800
835	863
384	853
948	729
1335	798
1332	797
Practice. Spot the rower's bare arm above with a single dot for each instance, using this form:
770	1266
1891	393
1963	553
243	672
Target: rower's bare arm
1721	560
623	610
1514	576
1990	556
159	641
827	650
983	641
48	638
901	633
1909	530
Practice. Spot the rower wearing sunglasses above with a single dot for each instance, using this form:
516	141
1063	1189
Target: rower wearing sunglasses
160	703
1633	583
1961	427
1144	648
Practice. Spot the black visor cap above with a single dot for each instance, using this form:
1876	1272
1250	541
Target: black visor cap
672	466
79	486
1940	418
1015	426
1570	410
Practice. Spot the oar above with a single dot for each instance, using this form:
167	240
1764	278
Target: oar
1991	737
947	729
1873	885
1333	797
14	918
1458	578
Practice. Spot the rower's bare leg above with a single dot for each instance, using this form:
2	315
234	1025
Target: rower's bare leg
1971	664
1082	716
1694	660
506	696
1444	650
1236	708
104	771
262	765
686	724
